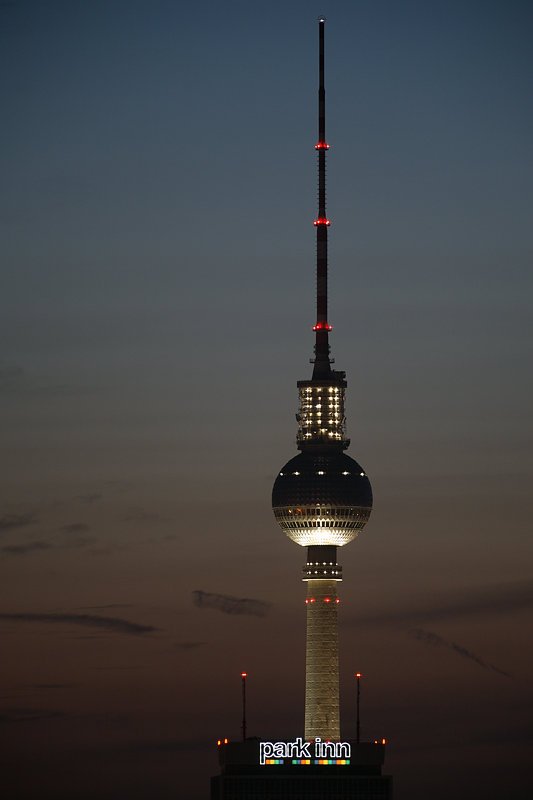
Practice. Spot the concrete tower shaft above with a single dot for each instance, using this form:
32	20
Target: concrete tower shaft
322	573
322	716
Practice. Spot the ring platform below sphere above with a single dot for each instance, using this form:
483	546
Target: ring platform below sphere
322	498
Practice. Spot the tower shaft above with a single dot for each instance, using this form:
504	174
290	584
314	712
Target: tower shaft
322	662
322	717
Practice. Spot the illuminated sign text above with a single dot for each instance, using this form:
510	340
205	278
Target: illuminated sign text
304	752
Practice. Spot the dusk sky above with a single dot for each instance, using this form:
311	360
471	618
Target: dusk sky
157	193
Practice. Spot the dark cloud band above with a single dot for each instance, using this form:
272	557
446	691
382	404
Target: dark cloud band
230	605
9	521
22	549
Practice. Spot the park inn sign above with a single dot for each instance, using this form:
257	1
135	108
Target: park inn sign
305	752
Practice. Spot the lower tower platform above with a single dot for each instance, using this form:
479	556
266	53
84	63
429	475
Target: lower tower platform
300	770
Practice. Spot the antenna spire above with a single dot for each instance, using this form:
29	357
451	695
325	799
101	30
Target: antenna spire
322	368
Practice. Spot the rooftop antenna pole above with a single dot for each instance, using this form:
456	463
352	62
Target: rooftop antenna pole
322	362
243	676
358	676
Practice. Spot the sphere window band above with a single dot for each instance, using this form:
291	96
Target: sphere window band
308	526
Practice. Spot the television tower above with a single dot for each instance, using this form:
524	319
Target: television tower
322	498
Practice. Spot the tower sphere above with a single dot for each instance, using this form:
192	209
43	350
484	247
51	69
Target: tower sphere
322	498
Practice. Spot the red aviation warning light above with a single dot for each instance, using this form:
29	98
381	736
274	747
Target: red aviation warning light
322	326
321	221
322	146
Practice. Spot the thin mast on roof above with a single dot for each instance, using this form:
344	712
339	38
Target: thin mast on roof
243	676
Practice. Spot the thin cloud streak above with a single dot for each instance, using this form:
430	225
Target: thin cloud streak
52	686
230	605
75	527
22	549
88	620
29	547
16	715
89	498
433	639
503	598
109	605
141	515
